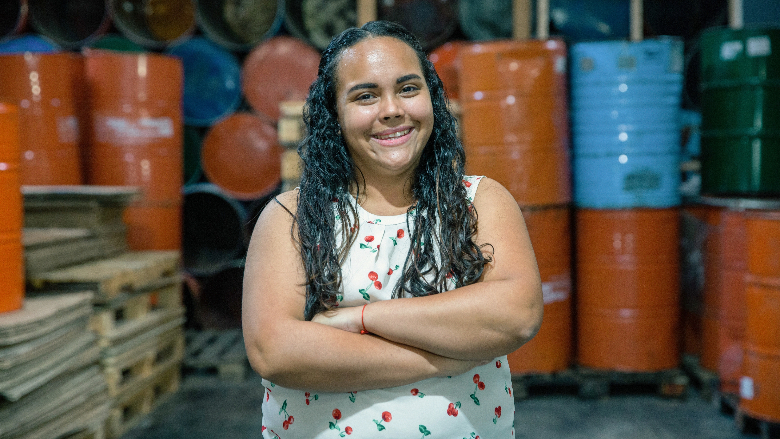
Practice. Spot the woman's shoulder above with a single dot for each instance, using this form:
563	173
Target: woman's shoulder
281	207
491	191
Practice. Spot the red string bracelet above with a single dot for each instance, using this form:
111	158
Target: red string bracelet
363	331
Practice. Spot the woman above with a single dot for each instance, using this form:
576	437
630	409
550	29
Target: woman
383	212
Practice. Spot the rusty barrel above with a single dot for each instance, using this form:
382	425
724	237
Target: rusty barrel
11	215
290	64
514	117
45	88
239	26
154	24
552	349
759	384
72	24
446	61
241	154
135	139
318	21
627	289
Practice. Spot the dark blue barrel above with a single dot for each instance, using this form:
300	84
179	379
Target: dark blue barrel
212	81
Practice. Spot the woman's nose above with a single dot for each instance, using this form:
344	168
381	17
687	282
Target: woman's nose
391	108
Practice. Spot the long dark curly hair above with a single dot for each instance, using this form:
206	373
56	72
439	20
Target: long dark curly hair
328	173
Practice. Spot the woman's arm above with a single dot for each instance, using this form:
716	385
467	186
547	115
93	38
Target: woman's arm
289	351
489	318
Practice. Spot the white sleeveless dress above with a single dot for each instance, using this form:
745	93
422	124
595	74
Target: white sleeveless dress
478	403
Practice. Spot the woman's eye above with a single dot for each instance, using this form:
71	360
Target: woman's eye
409	88
363	97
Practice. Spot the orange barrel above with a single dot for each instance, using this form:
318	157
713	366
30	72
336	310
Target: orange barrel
13	18
551	350
136	139
628	289
760	382
12	212
241	154
446	61
286	62
514	117
45	88
214	229
240	25
432	21
72	23
318	21
155	24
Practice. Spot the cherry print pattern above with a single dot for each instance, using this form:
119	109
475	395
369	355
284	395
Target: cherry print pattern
452	409
386	417
416	392
480	385
498	414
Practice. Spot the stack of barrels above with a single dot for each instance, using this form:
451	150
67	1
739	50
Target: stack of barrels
625	99
740	151
515	129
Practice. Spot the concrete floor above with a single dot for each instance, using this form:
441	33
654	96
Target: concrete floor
207	407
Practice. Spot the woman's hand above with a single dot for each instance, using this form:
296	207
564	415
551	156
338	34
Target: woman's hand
346	319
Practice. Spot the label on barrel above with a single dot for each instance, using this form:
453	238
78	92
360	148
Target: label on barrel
746	388
119	129
730	50
557	289
759	46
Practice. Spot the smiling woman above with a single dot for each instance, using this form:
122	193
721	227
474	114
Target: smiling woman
375	299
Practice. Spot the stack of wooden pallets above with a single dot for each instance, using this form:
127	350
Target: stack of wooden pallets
50	379
136	316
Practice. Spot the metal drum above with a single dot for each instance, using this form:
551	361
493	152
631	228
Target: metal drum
13	18
286	62
759	386
625	118
241	154
71	24
136	139
431	21
240	26
627	289
514	117
740	95
446	61
154	24
212	81
11	215
552	349
318	21
214	229
46	87
32	43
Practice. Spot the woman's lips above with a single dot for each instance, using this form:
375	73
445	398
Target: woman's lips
393	138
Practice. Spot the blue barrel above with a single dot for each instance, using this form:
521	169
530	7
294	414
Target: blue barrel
212	81
29	43
627	180
626	126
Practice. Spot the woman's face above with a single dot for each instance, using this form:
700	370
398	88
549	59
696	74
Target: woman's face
384	106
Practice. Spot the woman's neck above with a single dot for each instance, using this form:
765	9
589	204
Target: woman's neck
384	197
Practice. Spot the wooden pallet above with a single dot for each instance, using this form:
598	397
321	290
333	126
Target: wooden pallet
590	383
126	365
220	351
671	383
705	381
47	249
137	401
751	425
129	272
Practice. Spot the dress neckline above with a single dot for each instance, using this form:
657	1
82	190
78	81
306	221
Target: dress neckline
368	217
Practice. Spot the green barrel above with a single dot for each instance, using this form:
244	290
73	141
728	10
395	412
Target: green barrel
740	98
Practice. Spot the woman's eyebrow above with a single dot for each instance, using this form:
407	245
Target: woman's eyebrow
407	78
364	85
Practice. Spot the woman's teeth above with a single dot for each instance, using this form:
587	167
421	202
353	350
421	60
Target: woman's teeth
394	135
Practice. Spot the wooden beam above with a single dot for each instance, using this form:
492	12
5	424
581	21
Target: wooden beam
366	11
542	19
521	19
736	20
637	17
